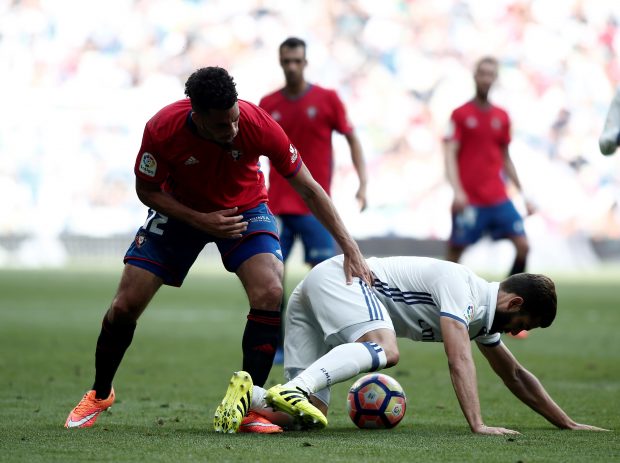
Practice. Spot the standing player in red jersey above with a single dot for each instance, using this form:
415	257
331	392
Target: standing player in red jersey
308	114
477	162
198	172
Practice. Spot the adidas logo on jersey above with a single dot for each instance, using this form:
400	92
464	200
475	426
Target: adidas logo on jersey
191	161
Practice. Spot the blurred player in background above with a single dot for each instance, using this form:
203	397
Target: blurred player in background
335	332
198	172
610	137
477	162
309	114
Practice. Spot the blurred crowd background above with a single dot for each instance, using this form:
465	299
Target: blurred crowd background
81	78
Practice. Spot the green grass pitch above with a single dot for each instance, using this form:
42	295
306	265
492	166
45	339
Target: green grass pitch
188	344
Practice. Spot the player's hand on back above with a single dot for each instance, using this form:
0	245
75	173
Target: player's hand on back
222	224
355	266
493	431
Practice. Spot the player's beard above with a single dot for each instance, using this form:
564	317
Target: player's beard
500	321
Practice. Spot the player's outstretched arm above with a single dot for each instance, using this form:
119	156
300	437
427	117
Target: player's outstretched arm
528	388
463	374
324	210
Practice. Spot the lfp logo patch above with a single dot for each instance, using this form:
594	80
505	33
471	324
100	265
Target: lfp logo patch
469	313
148	164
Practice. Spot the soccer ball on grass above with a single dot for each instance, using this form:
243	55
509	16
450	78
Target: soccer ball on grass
376	401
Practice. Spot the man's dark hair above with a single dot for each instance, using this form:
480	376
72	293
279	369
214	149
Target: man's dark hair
293	42
487	60
211	88
538	293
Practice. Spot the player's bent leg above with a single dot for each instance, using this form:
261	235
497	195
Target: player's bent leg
88	410
136	289
386	339
261	276
295	402
234	406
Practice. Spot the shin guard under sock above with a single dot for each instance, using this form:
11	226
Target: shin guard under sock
260	341
112	343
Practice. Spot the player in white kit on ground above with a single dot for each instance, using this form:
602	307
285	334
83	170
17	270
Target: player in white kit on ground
336	331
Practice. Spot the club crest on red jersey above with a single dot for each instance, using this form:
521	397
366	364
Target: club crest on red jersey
236	154
471	122
311	112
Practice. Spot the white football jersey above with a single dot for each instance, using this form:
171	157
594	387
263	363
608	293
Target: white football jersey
417	291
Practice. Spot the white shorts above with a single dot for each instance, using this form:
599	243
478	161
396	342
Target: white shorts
323	312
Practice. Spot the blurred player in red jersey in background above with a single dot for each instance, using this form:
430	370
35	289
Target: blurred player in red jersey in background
477	164
309	114
198	172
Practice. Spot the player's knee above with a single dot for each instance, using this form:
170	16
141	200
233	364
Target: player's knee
266	297
392	356
124	310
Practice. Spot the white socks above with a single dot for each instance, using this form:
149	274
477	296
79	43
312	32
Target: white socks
339	364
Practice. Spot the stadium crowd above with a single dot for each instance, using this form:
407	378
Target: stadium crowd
76	94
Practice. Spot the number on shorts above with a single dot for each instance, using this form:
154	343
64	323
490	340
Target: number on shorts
153	222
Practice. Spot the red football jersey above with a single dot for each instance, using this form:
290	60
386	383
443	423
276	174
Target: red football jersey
482	134
309	121
207	176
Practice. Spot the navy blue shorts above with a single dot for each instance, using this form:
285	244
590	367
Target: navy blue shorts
499	221
168	247
319	245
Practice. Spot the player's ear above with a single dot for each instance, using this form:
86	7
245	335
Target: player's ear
515	303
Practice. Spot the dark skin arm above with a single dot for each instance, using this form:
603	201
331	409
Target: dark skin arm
222	224
324	210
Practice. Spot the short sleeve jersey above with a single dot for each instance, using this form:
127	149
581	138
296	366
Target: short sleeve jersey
418	291
205	175
309	121
482	134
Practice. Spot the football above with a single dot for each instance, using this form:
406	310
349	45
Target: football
376	401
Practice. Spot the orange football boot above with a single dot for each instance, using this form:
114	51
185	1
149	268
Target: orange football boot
87	411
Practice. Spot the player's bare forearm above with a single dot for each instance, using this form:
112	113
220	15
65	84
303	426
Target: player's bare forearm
462	370
527	388
152	196
511	170
451	164
324	210
226	223
463	374
357	158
